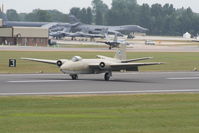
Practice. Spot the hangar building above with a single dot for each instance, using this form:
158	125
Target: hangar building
23	36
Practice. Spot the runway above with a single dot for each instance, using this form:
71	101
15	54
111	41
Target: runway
120	83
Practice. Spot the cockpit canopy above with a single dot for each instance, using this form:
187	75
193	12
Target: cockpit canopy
76	58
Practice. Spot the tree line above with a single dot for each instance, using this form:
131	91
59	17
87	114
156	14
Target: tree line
160	20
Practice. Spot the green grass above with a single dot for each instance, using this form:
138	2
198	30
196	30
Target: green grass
155	113
174	61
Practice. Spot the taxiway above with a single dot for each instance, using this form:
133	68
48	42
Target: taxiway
120	83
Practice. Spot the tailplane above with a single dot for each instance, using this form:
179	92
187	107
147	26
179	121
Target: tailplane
115	38
121	52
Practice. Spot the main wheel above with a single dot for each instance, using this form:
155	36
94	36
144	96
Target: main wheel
74	77
107	76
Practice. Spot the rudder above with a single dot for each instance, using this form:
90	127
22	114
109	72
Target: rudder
121	52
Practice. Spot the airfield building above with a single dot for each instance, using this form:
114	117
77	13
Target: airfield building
23	36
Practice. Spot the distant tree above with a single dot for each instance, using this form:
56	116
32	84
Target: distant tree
83	16
99	18
168	9
76	12
186	19
43	16
22	16
89	15
159	19
3	16
123	12
145	16
99	10
30	17
12	15
57	16
38	15
98	5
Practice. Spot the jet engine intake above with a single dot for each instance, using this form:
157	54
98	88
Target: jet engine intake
103	66
59	63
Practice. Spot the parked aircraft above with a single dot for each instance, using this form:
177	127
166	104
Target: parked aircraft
113	43
61	34
56	29
82	34
77	65
97	29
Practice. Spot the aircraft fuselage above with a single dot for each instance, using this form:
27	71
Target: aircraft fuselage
83	66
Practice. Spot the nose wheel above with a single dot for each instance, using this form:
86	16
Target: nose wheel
74	76
107	76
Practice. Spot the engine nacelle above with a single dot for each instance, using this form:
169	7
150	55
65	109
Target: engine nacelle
103	66
59	63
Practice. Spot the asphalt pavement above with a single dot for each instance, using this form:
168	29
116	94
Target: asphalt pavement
120	83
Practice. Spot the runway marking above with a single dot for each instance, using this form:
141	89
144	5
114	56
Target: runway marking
99	92
3	75
7	75
38	81
184	78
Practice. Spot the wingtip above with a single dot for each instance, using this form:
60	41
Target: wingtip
161	63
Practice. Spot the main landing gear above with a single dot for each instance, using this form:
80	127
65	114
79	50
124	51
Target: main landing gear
107	76
74	76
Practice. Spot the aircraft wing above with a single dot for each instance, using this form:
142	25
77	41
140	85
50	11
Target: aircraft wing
137	59
125	61
41	60
124	66
48	25
131	66
104	57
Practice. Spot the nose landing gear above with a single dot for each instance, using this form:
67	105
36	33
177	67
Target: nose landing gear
107	76
74	76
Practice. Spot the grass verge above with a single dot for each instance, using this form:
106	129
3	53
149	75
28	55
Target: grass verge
174	61
154	113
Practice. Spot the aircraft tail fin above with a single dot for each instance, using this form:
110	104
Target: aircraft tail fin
73	19
121	52
106	36
115	38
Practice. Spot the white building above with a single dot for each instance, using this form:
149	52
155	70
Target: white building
187	35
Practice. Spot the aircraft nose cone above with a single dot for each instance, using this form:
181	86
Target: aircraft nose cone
145	29
62	67
142	29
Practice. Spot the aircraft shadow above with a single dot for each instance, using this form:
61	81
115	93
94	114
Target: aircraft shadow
100	80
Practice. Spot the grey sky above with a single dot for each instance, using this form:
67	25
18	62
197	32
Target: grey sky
66	5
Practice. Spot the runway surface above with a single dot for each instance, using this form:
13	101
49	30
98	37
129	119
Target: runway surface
120	83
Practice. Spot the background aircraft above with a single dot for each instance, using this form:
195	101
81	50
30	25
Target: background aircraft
97	29
58	30
107	65
114	43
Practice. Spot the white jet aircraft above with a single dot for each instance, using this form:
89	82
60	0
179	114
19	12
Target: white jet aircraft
103	64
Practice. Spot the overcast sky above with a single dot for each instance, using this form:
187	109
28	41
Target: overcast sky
66	5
